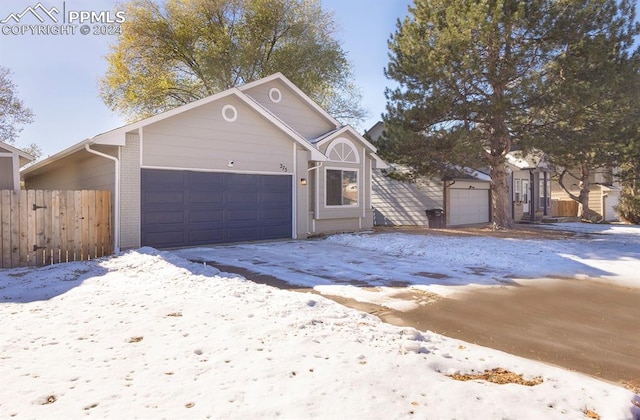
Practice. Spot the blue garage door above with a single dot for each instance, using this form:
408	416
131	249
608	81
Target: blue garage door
186	208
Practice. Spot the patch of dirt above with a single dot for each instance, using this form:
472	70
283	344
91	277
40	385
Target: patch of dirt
498	376
518	232
632	385
429	275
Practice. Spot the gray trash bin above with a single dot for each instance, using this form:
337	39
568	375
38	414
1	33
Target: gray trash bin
435	217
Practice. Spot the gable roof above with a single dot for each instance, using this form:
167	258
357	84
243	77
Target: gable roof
283	79
24	158
532	160
116	137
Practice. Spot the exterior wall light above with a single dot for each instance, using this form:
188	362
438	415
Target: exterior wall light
303	181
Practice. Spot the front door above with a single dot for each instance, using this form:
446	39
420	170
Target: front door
525	196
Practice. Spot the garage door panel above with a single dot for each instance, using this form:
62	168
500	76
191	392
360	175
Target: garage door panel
242	197
166	239
164	197
204	181
274	232
165	217
207	216
206	236
175	180
239	234
243	215
275	214
205	197
274	197
207	208
468	207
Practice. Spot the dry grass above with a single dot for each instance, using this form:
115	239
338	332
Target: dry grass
518	232
591	414
498	376
632	385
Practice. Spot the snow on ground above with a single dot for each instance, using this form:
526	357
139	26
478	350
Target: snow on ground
149	335
344	264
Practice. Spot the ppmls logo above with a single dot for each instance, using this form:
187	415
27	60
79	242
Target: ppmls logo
38	11
40	20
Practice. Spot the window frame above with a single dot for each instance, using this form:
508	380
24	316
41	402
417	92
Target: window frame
356	204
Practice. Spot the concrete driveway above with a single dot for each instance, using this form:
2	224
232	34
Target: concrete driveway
579	324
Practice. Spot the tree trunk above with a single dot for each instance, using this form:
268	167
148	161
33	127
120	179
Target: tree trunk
584	185
501	213
583	195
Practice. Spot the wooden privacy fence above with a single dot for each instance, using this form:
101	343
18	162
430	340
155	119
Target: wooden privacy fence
47	227
564	208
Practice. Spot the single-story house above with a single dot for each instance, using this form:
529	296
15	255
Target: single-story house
463	195
261	161
11	160
464	198
400	202
530	185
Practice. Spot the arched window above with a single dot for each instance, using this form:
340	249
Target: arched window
342	150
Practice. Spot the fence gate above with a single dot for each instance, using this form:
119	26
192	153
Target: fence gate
46	227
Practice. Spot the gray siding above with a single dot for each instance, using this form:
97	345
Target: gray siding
400	203
6	173
337	226
291	109
80	171
200	139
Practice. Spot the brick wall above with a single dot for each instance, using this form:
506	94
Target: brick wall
130	193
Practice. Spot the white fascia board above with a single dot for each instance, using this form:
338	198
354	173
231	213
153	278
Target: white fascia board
14	150
379	163
296	89
167	114
348	129
64	153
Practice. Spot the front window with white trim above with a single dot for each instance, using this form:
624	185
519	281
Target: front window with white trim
342	187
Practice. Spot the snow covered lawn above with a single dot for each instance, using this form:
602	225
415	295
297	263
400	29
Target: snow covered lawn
341	265
147	334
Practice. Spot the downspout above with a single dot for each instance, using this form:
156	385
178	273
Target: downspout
315	213
116	199
446	192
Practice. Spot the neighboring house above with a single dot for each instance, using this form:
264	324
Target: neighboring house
604	194
530	185
11	160
467	196
464	199
399	202
463	195
258	162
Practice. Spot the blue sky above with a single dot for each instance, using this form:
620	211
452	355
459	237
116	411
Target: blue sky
57	75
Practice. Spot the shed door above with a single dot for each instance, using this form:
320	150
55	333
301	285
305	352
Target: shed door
186	208
468	207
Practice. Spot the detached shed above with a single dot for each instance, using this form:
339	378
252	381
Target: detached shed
11	160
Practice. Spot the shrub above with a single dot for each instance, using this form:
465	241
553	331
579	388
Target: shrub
629	207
